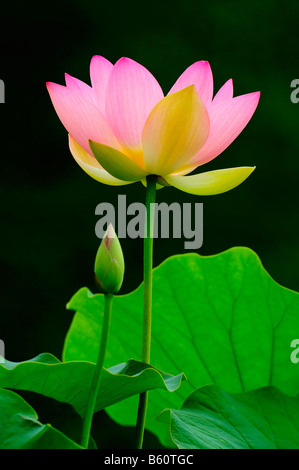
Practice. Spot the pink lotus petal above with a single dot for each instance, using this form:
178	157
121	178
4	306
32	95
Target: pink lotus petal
132	93
81	118
200	75
100	70
80	87
225	93
227	120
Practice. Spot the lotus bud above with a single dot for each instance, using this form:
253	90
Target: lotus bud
109	263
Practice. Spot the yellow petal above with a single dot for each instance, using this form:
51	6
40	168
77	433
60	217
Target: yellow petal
91	166
117	163
175	130
211	182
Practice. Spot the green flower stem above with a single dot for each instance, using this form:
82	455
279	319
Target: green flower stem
98	372
147	300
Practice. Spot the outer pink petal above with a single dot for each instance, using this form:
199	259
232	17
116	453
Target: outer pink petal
100	70
225	93
200	75
227	120
82	119
80	87
132	93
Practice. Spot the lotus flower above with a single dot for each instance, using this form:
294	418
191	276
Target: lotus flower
122	128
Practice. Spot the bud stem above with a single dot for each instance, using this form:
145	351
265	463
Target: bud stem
97	373
147	300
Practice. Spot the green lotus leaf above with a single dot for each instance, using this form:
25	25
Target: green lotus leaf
20	428
220	319
70	382
213	419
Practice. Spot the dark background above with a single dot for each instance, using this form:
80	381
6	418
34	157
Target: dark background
48	241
